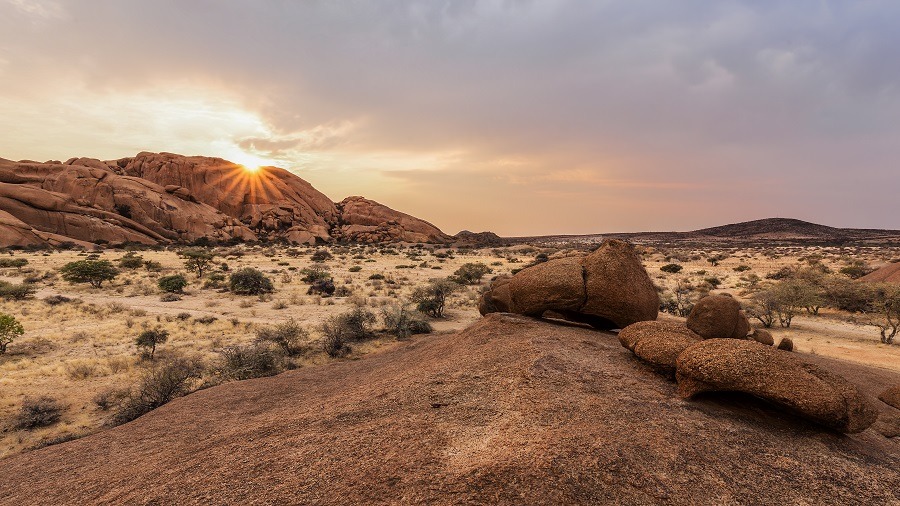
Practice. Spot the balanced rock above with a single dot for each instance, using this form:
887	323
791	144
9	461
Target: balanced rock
891	396
608	288
718	316
730	365
658	342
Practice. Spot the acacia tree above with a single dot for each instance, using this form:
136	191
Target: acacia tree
198	259
149	338
886	315
431	298
10	329
763	306
94	272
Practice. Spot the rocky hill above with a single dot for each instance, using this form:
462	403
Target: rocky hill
155	198
890	273
509	411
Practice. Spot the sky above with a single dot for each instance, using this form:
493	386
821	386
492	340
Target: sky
518	117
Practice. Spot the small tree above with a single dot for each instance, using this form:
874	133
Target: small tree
172	284
250	281
763	306
431	298
792	295
671	268
10	330
886	315
198	259
470	274
148	340
321	255
856	269
94	272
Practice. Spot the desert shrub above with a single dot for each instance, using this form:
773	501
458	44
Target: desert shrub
55	300
37	412
214	281
206	320
169	297
343	291
321	255
152	266
80	369
334	341
158	385
172	284
94	272
671	268
401	322
248	362
17	263
149	339
376	276
10	330
783	273
288	335
470	274
846	295
742	268
250	281
313	274
431	298
197	259
355	268
339	329
109	398
10	291
131	261
324	287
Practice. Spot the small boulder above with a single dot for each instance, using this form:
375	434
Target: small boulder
786	344
763	337
730	365
497	299
718	316
658	342
891	396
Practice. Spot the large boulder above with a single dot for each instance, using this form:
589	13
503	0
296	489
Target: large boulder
618	287
730	365
555	285
658	342
608	288
718	316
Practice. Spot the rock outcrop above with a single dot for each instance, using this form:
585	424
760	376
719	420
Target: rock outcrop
730	365
890	273
156	198
608	288
891	396
509	411
367	221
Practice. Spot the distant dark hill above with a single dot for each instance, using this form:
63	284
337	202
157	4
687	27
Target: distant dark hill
789	228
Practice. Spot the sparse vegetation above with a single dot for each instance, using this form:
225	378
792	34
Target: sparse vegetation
38	412
172	284
250	281
10	330
431	299
93	272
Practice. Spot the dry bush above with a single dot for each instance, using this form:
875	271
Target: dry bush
158	385
80	369
37	412
250	361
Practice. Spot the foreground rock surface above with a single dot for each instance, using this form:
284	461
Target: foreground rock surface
157	198
607	289
729	365
509	411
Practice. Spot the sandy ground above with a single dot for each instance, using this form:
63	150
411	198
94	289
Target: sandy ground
75	351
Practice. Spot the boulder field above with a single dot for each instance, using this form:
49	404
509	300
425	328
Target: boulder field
156	198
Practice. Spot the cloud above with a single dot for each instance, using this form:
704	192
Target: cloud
677	112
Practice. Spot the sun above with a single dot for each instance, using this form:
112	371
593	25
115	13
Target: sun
251	169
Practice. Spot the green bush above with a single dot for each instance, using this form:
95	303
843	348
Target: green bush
250	281
313	274
355	268
470	274
94	272
131	261
671	268
18	263
10	291
172	284
198	259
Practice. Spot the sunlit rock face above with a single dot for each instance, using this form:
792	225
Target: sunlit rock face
157	198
